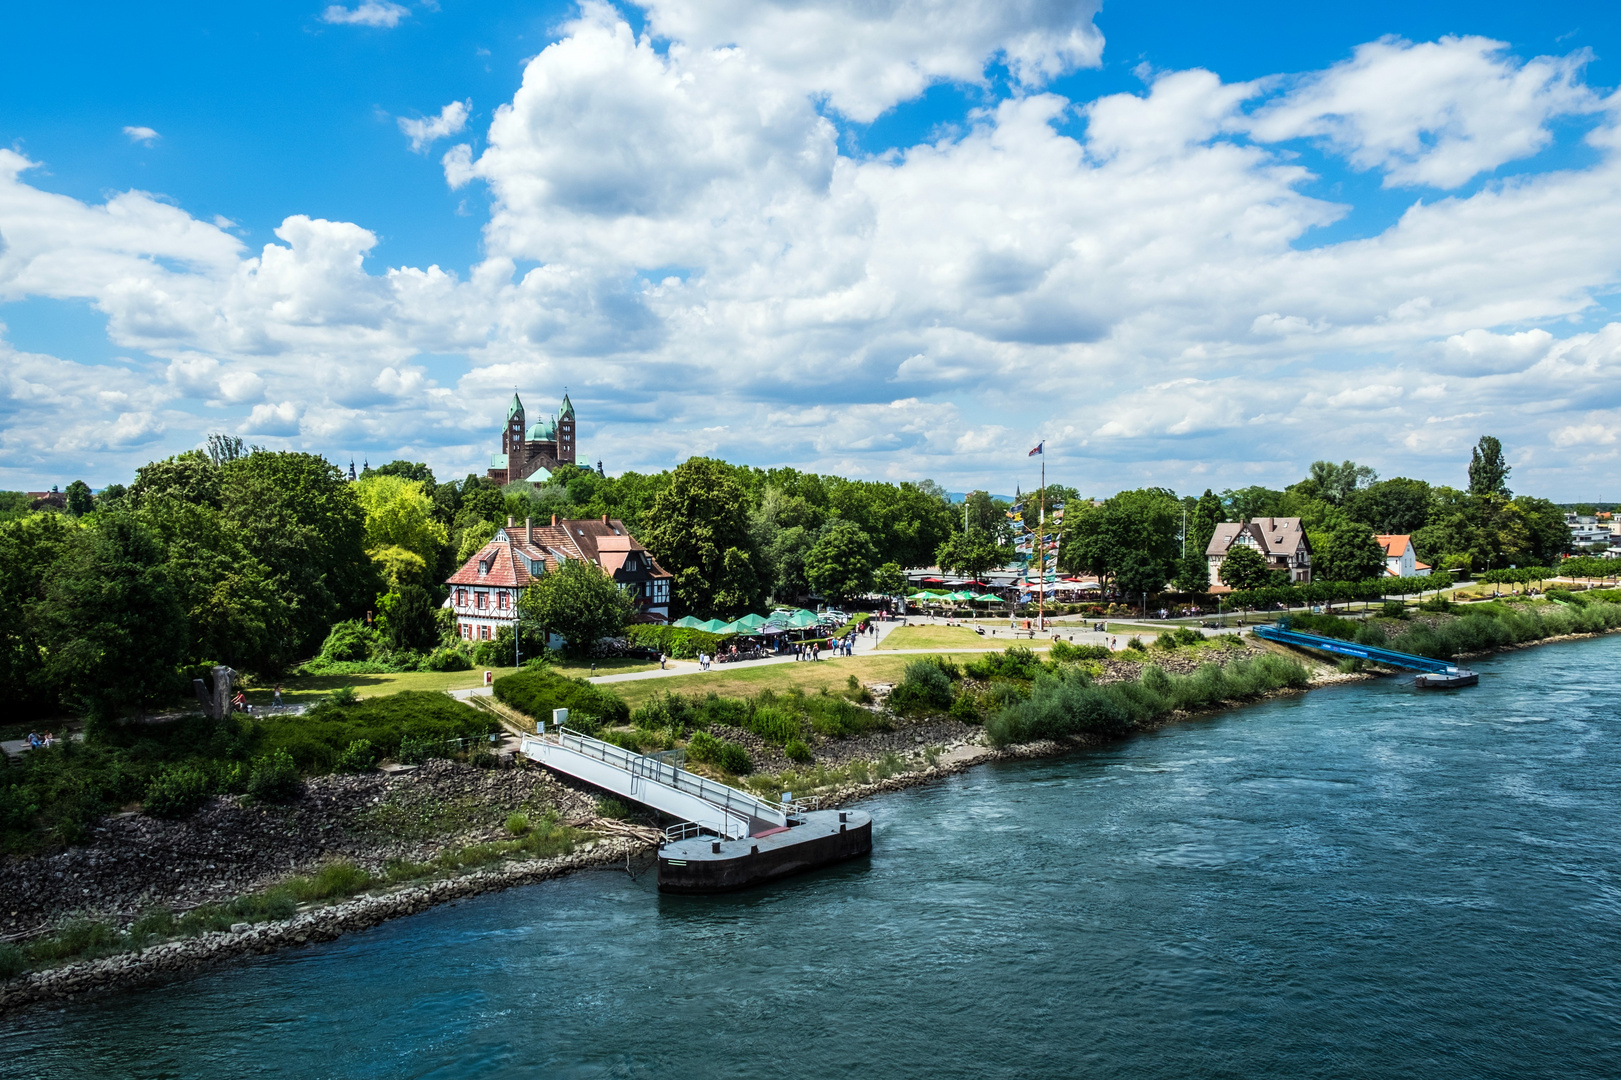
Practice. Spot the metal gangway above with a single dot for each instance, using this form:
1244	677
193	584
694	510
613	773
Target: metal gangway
662	784
1285	636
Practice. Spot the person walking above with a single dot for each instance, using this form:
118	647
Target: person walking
275	696
661	660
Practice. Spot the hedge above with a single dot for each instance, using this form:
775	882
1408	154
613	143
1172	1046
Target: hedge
537	691
681	642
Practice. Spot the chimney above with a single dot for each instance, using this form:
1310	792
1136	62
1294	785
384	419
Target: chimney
605	519
554	521
509	521
529	530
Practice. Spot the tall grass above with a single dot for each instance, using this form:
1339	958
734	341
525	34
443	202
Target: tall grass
1068	702
1497	625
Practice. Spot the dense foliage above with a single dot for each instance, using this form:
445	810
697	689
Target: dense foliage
536	691
577	602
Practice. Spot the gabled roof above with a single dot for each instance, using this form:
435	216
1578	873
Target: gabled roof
1395	544
567	407
1273	536
511	554
1226	533
516	407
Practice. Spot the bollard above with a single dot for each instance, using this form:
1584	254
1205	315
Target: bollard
755	850
841	817
715	847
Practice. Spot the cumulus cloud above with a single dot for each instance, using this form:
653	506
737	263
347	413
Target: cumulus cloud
450	121
707	270
1435	113
143	135
371	13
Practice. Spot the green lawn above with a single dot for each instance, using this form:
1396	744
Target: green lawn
313	687
941	637
740	682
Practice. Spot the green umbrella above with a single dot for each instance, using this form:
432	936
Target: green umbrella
990	598
688	622
960	596
714	626
802	619
753	622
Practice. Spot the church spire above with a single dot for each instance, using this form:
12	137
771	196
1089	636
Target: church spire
516	408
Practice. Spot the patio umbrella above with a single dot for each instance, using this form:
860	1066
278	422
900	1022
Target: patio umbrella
687	622
753	622
990	598
714	626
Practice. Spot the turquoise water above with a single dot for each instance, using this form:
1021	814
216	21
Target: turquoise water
1360	882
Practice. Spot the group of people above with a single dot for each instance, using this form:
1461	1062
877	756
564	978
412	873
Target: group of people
812	650
36	741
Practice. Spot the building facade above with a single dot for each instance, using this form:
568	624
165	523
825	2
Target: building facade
1280	540
526	451
484	592
1400	558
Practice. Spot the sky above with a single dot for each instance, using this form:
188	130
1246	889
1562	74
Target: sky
1181	244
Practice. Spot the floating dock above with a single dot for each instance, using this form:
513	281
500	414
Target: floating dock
1434	674
727	839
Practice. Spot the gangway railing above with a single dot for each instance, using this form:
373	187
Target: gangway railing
655	781
1285	636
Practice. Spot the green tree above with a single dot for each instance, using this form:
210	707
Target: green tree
190	477
298	516
79	500
116	630
1247	504
1394	507
407	619
889	580
699	531
841	562
1488	470
1244	568
577	602
29	550
1130	540
403	536
1348	553
1335	484
972	553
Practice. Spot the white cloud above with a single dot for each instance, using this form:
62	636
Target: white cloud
370	13
450	121
143	135
1435	113
707	271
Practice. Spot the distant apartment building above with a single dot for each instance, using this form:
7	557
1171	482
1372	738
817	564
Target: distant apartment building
1281	540
1587	530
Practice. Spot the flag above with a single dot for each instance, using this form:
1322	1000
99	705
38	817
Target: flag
1037	450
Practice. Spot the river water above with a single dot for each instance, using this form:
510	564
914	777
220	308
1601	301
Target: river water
1359	882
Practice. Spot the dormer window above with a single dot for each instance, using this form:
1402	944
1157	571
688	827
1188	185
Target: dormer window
483	567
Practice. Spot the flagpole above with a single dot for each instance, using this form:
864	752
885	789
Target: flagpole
1041	544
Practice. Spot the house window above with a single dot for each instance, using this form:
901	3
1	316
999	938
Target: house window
482	600
461	597
484	633
467	632
501	601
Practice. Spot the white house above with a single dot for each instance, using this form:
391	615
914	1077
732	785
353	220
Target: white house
1400	559
1281	540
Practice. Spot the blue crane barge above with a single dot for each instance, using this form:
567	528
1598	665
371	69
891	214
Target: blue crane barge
1433	674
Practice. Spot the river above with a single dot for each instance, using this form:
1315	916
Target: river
1364	881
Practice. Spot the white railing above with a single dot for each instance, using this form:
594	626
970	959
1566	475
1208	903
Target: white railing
662	772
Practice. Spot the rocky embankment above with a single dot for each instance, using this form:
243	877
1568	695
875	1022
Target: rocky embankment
134	863
175	958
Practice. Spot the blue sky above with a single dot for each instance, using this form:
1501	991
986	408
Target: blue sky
898	245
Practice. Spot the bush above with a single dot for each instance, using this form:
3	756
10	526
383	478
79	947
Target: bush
448	658
518	824
667	711
1016	662
703	748
612	809
797	752
175	792
734	759
537	691
13	961
678	641
1136	645
274	777
966	708
924	687
1069	703
319	738
343	695
1064	652
357	757
1565	596
1324	626
1394	609
352	640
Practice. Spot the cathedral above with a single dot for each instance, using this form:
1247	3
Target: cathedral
524	452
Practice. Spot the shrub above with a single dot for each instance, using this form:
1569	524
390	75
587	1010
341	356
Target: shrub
414	750
518	824
13	961
797	751
612	809
335	879
966	708
319	738
175	792
352	640
734	759
274	777
703	748
1016	662
1065	652
357	757
1394	609
448	658
1565	596
1136	645
667	711
537	691
679	641
924	687
774	723
1166	641
1324	626
888	765
343	695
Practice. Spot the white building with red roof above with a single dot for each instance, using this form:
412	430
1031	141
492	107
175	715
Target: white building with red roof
1400	558
484	592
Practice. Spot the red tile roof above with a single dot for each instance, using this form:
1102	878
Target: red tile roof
515	548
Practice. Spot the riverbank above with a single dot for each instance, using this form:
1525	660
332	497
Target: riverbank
924	762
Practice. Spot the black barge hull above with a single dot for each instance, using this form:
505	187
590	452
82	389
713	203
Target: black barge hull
817	839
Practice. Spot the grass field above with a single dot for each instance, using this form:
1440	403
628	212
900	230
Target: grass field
939	637
740	682
309	689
